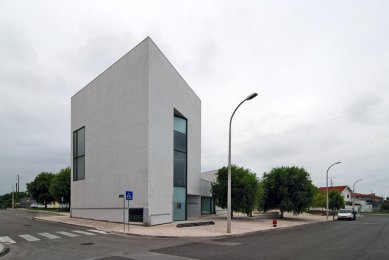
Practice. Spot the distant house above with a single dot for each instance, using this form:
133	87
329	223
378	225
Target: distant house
344	190
26	202
370	199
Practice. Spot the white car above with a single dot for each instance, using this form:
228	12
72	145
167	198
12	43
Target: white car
346	214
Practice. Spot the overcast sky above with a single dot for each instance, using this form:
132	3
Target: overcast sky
320	69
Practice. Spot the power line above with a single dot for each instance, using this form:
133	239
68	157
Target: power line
309	125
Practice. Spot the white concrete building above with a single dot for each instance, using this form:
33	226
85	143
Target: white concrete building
344	190
136	127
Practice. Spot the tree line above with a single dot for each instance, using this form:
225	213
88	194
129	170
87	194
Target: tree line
287	189
48	187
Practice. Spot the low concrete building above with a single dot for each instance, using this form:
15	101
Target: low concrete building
371	200
207	204
136	127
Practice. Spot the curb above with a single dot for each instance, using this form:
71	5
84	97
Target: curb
277	229
211	237
3	249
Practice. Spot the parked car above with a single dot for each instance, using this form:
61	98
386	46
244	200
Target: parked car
346	214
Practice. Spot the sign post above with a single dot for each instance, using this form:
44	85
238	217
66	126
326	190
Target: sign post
129	196
124	212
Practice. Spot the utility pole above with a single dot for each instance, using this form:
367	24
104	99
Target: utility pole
17	190
16	194
13	196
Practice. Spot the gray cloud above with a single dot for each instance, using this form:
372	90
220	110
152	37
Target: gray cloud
315	65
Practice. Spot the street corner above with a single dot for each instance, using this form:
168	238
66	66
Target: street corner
3	249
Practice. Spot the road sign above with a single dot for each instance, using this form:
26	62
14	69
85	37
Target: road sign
129	195
121	196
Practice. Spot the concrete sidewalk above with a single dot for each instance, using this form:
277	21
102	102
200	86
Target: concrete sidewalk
241	224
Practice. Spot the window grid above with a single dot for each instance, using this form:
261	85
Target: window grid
79	154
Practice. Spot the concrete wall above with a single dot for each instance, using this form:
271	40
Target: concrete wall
114	110
193	206
346	193
207	178
169	91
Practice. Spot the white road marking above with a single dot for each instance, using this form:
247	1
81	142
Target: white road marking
220	243
7	240
48	235
98	231
84	232
67	234
29	237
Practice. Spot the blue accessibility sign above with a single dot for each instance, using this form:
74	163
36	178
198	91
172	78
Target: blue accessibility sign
129	195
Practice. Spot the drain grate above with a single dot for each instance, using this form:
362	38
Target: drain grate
87	244
196	224
114	258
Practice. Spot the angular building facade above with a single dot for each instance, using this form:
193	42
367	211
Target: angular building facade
136	127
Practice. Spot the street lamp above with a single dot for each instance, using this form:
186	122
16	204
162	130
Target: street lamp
327	183
251	96
353	192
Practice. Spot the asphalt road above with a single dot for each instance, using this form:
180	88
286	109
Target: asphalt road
83	246
365	238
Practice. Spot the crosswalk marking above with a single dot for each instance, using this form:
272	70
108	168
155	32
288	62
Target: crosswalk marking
68	234
48	235
29	237
7	240
98	231
84	232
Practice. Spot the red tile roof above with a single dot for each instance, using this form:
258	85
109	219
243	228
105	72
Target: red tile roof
360	195
370	196
338	188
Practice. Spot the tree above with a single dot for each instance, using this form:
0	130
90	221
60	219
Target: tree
260	197
244	190
60	186
335	200
39	188
6	199
385	206
319	199
288	189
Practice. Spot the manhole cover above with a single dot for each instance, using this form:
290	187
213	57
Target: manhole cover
27	225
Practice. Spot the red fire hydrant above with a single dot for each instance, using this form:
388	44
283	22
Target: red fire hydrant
274	222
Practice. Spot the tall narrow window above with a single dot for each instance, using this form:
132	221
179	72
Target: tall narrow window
180	168
79	154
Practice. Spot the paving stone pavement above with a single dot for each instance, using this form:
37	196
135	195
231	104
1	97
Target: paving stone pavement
241	224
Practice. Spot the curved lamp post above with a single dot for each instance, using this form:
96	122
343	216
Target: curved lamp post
251	96
354	191
327	183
